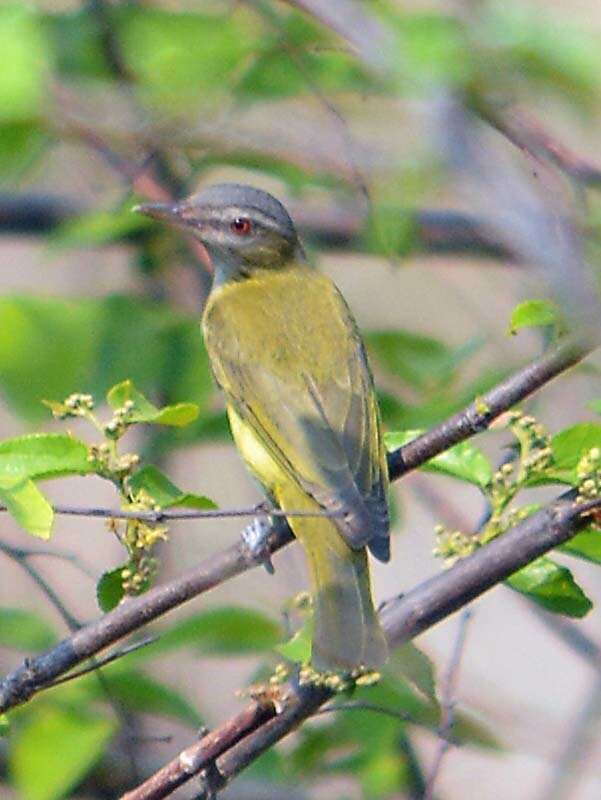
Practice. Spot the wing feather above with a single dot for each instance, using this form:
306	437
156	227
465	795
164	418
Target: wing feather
294	368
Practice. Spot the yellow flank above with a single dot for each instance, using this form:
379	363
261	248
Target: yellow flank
284	348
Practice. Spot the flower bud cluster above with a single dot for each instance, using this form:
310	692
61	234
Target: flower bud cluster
116	427
588	473
76	405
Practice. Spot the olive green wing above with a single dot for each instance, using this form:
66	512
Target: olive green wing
317	416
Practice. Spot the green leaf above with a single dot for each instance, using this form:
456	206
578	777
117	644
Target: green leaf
586	544
27	505
298	648
4	726
144	411
272	73
139	692
415	667
125	392
534	313
551	586
50	348
421	361
46	348
21	146
228	630
26	57
109	589
179	414
25	630
163	51
43	455
55	749
99	228
462	461
569	446
152	481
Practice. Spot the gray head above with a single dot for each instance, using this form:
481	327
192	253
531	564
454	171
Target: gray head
242	228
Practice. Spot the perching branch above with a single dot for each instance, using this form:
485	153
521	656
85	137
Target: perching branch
37	673
402	619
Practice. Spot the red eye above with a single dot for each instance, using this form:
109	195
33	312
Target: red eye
241	226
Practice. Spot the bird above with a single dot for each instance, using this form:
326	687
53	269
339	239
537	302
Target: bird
286	351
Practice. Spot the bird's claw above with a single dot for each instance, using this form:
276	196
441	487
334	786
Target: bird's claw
256	536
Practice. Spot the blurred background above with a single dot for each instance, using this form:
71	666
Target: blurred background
440	161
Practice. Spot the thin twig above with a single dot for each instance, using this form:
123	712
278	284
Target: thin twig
108	659
183	513
566	772
447	703
20	558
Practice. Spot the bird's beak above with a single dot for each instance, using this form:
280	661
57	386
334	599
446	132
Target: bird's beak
167	212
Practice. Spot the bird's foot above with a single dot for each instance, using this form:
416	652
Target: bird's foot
256	539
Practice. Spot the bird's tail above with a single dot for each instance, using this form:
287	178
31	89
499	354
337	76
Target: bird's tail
347	633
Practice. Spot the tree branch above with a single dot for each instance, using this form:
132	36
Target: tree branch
403	619
478	416
529	135
39	672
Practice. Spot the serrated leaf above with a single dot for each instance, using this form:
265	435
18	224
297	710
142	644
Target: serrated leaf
586	544
534	313
462	461
109	589
54	749
25	630
27	505
166	494
43	455
228	630
552	587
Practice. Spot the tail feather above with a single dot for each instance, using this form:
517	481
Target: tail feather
347	633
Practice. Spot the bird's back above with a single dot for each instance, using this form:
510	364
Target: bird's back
285	349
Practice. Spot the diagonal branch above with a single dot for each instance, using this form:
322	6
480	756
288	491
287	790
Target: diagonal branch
37	673
478	416
402	619
529	135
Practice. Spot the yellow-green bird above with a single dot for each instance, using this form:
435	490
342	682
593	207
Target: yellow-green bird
285	349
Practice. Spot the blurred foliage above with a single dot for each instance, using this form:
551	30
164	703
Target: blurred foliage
191	74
